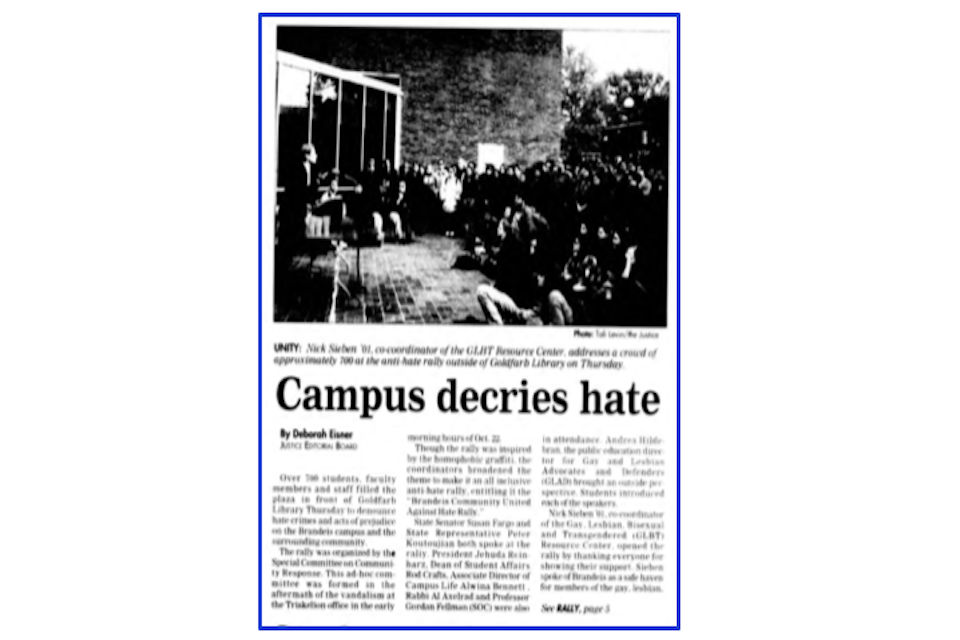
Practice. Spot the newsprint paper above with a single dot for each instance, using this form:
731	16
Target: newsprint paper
469	322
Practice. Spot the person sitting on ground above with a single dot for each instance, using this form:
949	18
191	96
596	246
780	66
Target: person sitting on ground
523	287
573	269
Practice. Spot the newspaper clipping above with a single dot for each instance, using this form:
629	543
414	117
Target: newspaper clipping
469	329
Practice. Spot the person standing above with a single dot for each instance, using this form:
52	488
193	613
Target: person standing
299	195
450	189
299	192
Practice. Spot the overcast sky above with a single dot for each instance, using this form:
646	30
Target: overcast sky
617	51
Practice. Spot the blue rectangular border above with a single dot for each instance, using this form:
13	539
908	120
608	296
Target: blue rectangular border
675	87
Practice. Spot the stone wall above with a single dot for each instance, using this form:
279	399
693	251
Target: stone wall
462	86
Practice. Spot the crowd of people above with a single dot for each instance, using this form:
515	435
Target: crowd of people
581	244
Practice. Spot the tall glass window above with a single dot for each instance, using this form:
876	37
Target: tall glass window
351	128
391	141
293	114
373	139
326	99
347	120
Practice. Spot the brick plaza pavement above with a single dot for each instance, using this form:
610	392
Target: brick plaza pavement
403	284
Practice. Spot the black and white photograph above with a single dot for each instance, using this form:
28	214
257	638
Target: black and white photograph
471	176
430	170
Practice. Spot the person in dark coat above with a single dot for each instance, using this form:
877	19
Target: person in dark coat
300	192
299	195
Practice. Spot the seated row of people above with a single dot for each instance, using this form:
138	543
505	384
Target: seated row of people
318	205
595	280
